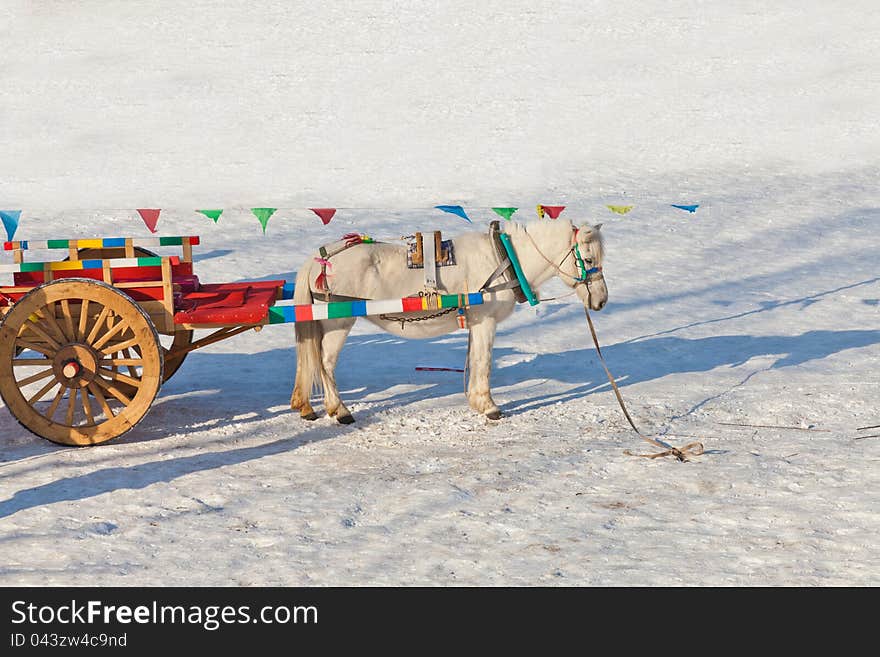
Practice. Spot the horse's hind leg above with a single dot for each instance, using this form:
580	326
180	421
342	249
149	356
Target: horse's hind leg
335	333
308	366
482	337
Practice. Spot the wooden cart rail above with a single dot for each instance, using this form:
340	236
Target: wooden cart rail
102	242
127	243
78	265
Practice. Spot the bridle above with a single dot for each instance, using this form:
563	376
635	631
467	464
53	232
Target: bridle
585	275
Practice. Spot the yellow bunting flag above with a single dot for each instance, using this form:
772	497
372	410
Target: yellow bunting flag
620	209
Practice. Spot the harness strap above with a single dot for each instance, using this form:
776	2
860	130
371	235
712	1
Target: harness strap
500	269
327	251
429	262
504	268
506	285
514	261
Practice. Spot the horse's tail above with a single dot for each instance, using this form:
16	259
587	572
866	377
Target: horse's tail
309	357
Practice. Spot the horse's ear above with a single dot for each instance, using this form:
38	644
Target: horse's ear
588	230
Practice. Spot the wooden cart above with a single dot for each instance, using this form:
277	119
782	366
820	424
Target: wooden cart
86	342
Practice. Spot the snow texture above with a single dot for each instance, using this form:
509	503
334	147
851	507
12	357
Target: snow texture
762	308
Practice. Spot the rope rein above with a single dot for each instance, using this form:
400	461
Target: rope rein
681	453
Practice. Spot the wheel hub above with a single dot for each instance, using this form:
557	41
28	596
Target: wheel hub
75	365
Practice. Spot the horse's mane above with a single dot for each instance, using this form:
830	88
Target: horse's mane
516	228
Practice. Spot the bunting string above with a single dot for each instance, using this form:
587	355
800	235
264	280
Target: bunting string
150	216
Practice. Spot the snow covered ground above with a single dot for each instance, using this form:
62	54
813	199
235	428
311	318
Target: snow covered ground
762	308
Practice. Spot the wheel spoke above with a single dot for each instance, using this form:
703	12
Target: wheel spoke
21	362
83	319
55	402
97	326
42	392
24	344
120	346
120	326
33	326
96	391
109	387
68	319
71	405
87	407
119	376
121	361
131	369
39	376
47	314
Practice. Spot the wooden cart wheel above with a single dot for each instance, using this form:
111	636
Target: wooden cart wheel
172	360
67	383
169	343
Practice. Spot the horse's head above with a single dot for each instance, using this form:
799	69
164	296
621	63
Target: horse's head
587	253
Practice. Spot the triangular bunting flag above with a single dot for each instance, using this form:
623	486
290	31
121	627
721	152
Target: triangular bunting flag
326	214
454	209
10	222
504	212
551	211
151	218
263	214
211	214
689	208
620	209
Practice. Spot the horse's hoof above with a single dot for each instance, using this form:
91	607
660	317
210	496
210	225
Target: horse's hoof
310	417
494	415
345	419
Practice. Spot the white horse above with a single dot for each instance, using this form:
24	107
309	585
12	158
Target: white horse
379	271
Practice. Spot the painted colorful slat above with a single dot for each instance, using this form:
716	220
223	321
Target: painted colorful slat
101	243
282	313
75	265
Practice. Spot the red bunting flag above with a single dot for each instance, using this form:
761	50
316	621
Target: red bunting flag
151	218
326	214
552	210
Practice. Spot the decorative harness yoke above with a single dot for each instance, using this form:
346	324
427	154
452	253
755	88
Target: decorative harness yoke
514	278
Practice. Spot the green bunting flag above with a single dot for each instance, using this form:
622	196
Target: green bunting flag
263	214
620	209
211	214
504	212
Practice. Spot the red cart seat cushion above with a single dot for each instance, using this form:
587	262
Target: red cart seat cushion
187	283
227	303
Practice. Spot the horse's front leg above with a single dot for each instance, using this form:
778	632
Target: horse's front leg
335	333
482	337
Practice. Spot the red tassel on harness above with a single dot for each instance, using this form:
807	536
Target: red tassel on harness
321	282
